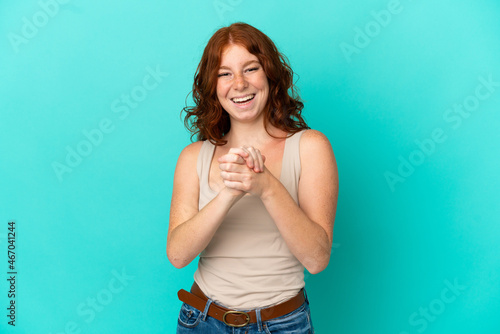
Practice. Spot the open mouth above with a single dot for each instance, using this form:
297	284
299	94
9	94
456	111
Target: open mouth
244	99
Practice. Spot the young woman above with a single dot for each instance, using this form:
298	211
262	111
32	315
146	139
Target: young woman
255	196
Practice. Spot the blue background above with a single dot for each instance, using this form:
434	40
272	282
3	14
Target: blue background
66	68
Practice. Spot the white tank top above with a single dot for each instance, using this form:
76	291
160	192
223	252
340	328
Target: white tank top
247	264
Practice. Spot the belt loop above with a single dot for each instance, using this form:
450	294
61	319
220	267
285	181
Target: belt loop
259	319
205	312
305	295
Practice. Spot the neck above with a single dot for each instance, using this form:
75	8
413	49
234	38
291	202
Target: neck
250	134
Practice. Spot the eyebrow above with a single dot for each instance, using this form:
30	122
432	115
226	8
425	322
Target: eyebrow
244	65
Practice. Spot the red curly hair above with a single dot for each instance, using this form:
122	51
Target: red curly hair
208	120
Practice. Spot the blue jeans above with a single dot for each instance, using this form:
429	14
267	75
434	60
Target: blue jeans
194	321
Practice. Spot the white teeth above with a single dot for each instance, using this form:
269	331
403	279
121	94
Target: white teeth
243	99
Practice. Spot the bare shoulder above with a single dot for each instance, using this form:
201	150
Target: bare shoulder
185	170
313	142
191	151
189	155
316	155
314	135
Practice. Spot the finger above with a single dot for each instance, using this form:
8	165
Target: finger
252	160
230	176
231	158
260	160
239	150
234	185
249	160
232	167
257	160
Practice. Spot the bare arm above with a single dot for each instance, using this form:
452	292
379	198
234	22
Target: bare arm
190	230
308	229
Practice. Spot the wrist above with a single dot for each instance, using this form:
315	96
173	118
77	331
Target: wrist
229	195
270	185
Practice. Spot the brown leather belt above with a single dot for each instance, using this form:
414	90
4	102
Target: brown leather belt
197	299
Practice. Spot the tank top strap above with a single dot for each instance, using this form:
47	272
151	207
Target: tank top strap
204	161
290	171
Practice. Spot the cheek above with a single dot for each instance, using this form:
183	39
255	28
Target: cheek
264	86
221	89
263	83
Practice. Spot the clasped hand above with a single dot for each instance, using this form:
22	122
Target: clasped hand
243	169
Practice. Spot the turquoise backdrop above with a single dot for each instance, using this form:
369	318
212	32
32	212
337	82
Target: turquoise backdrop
408	92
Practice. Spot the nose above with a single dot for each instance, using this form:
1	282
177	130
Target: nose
240	82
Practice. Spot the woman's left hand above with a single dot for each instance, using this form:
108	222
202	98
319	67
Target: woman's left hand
252	176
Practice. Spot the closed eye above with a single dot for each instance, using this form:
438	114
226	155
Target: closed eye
222	75
253	69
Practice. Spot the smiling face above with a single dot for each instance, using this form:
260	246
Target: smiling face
242	86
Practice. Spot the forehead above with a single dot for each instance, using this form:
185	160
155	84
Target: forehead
235	54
